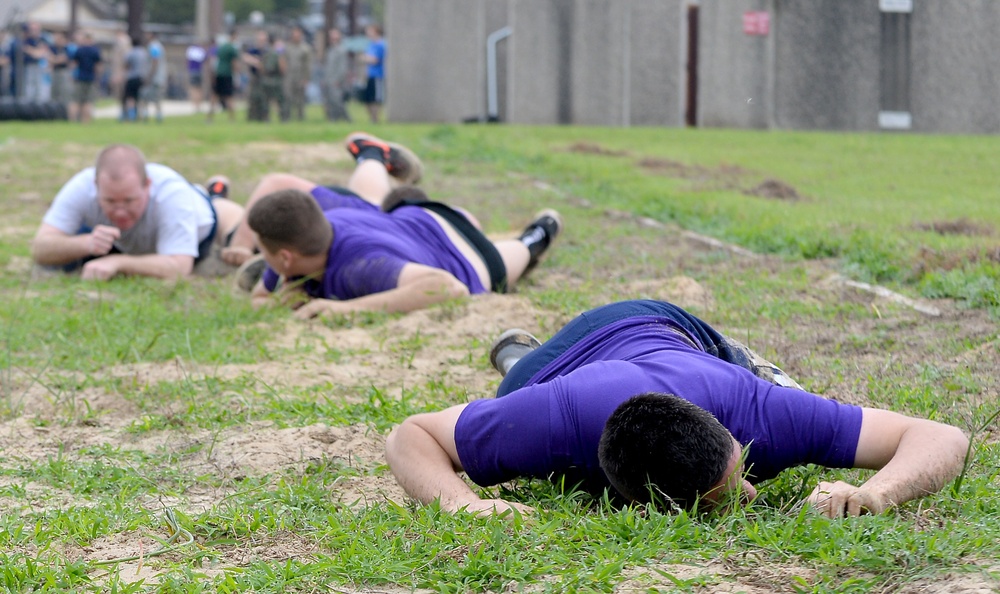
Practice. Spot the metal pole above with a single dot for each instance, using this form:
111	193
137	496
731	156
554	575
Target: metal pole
492	101
135	10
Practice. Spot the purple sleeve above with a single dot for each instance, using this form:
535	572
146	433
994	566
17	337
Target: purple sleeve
803	428
502	439
270	279
372	272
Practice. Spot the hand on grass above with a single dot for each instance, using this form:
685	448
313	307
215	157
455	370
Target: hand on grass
102	239
318	308
100	269
840	499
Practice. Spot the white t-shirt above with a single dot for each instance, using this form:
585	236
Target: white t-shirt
177	218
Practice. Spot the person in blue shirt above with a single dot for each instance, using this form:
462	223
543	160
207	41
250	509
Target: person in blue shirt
86	74
645	401
374	95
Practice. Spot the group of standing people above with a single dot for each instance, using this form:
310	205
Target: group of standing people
73	68
278	72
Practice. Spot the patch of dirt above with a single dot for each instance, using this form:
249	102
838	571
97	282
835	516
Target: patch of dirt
961	226
723	177
775	189
592	148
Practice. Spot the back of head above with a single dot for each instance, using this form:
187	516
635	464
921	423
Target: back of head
118	160
290	219
660	445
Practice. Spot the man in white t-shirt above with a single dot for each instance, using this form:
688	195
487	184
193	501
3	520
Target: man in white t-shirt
126	217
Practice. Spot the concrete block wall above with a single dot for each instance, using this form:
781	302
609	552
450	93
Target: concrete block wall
594	62
826	67
436	64
955	84
734	69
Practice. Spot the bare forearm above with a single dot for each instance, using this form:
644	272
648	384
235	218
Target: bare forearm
424	469
929	456
54	250
155	265
419	294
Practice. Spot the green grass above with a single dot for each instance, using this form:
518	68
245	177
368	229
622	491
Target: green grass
112	448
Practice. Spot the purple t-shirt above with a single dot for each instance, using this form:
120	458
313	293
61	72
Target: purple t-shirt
330	198
552	426
370	248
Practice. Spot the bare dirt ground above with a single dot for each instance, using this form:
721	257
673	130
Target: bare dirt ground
645	260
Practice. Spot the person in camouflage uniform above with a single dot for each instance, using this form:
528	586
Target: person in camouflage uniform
267	73
298	55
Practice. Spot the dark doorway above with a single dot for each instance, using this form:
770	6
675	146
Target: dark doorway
691	105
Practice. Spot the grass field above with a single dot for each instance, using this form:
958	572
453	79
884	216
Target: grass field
165	437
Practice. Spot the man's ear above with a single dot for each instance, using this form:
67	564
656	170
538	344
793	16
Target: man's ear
288	258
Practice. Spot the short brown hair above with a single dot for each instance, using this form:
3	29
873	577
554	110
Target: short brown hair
118	159
290	219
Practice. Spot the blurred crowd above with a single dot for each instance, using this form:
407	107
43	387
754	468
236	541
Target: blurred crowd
281	70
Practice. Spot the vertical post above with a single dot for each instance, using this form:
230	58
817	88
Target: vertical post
352	17
329	17
215	23
135	10
202	31
73	18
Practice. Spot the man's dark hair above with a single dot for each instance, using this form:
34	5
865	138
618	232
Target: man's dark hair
290	219
660	445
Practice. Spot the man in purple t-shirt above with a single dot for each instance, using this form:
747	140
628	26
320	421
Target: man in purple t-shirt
341	253
648	401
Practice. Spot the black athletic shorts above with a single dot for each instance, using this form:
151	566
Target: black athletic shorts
223	86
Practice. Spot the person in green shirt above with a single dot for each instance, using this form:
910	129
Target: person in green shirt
224	63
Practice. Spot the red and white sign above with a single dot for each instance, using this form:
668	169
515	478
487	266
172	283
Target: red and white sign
756	23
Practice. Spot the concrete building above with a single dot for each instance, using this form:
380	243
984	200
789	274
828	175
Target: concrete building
921	65
592	62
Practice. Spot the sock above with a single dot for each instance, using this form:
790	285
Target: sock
371	152
537	240
510	355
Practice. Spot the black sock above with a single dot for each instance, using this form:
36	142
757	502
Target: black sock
371	152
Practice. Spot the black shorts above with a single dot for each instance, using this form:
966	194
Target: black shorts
194	79
223	86
132	87
374	91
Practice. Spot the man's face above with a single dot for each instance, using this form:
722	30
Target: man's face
123	200
296	35
334	37
732	481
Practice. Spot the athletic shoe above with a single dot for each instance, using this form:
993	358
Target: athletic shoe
510	347
250	273
400	162
540	234
217	187
549	220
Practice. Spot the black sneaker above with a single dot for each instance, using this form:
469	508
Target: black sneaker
540	234
400	162
510	347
